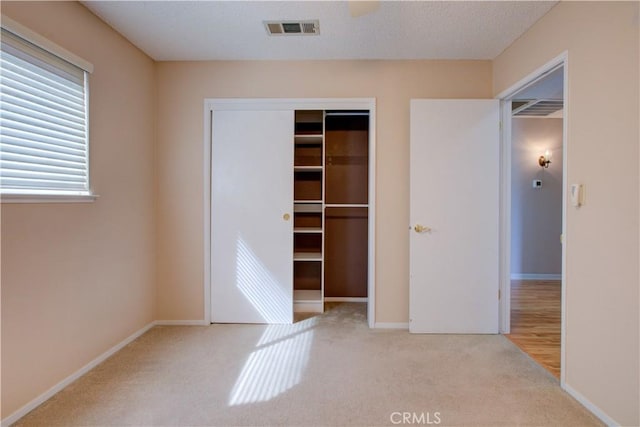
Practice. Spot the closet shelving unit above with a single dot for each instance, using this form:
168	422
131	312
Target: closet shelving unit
308	227
346	205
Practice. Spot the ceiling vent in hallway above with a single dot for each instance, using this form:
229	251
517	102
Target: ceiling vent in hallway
293	28
536	107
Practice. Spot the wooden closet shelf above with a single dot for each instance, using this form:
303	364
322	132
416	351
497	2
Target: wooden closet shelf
307	256
316	168
307	207
310	139
307	230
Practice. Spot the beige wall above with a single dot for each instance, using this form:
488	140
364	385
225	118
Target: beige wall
182	88
602	302
79	278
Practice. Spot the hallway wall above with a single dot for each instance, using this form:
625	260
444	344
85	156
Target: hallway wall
536	213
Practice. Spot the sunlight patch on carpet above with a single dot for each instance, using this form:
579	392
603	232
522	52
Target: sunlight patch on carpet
276	366
275	333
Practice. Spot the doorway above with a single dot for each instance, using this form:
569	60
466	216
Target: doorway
533	201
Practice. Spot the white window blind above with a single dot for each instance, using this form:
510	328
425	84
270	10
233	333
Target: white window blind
43	121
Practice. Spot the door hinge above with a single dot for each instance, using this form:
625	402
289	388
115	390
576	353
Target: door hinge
500	125
499	294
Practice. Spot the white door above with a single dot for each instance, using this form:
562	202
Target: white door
251	217
454	196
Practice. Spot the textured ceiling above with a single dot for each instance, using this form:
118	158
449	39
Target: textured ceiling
226	30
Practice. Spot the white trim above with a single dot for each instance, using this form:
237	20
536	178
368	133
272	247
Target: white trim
590	406
371	289
565	175
208	123
345	299
505	274
211	104
71	378
230	104
48	198
181	323
535	276
504	314
44	43
87	139
391	325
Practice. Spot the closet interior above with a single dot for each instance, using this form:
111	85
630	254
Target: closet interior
331	181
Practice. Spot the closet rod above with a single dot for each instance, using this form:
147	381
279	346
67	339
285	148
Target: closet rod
347	113
346	205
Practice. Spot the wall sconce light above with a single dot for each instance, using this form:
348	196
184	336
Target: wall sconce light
545	159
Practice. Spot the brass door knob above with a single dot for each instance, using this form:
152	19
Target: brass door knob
286	217
421	229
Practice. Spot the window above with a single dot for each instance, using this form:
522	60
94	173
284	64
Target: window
43	121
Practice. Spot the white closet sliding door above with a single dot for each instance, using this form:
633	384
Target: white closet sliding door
251	217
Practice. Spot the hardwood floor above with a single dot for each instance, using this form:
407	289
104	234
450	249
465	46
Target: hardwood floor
535	320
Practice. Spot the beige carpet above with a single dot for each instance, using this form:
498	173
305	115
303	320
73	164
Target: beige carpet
327	370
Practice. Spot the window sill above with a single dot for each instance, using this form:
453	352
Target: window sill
48	198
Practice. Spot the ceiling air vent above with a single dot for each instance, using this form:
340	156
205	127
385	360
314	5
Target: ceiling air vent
537	107
293	28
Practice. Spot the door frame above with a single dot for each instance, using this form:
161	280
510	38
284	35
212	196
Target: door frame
505	96
211	104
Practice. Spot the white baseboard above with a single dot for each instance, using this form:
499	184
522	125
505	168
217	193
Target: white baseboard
181	323
535	276
71	378
391	325
346	299
590	406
